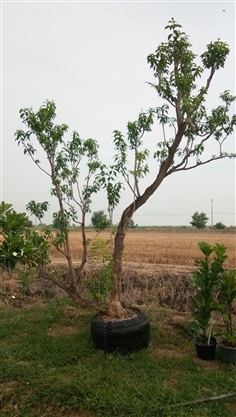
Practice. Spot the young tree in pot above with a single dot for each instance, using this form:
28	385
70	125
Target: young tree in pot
186	127
205	282
226	306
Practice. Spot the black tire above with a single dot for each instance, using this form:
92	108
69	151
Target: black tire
125	335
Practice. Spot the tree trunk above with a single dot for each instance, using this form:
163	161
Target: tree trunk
85	249
115	307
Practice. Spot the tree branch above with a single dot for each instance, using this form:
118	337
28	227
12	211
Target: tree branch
201	163
73	294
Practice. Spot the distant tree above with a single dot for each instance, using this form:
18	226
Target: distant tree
199	220
99	220
219	225
131	224
59	222
29	222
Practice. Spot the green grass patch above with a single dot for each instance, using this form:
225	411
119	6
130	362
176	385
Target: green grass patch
49	367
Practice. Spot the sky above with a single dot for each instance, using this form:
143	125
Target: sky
91	59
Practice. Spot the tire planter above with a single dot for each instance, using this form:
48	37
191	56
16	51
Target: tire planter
125	335
227	353
205	352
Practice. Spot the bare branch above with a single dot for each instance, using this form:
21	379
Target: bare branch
169	101
37	163
214	158
73	294
61	251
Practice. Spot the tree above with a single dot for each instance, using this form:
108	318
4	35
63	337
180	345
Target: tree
183	121
199	220
29	222
99	220
187	128
64	158
220	225
58	222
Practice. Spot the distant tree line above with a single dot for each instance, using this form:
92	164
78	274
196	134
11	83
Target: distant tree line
100	221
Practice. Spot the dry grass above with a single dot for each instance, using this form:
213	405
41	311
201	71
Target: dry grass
163	247
157	265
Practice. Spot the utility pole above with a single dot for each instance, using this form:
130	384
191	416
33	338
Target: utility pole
212	212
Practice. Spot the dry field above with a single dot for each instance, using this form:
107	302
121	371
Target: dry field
161	246
157	265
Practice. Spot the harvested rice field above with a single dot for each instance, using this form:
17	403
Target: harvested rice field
163	246
156	269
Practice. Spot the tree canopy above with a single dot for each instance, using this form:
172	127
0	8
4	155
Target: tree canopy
99	220
199	220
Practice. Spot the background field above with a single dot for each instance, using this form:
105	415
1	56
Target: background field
163	246
156	270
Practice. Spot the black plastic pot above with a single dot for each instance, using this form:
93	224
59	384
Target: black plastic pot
204	351
125	335
227	353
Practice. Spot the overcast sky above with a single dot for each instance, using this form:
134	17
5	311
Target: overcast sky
91	59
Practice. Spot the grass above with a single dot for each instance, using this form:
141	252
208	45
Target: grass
49	367
162	246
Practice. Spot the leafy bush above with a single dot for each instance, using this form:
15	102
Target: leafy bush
19	245
227	296
205	281
100	264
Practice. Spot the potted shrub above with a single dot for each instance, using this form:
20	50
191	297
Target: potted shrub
186	129
205	282
226	306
